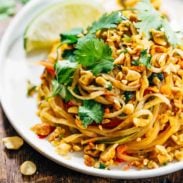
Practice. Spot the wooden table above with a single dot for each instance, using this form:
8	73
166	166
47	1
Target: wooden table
48	171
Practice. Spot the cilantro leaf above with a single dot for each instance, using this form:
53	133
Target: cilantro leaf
60	89
151	19
64	71
148	16
68	55
102	67
128	95
107	21
90	112
170	34
145	59
94	54
71	37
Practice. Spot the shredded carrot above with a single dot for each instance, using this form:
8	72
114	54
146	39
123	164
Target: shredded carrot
165	89
46	64
107	110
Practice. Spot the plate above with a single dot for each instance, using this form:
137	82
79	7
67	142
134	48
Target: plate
16	68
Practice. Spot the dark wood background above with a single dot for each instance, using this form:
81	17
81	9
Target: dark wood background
48	171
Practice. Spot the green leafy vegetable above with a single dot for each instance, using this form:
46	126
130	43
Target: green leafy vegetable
71	37
102	166
148	16
90	112
69	55
94	54
64	71
160	76
107	21
145	59
103	66
7	8
170	34
151	19
128	95
60	89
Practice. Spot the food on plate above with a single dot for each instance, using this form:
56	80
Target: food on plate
12	143
114	91
44	30
28	168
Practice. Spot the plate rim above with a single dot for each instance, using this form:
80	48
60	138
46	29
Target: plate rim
5	43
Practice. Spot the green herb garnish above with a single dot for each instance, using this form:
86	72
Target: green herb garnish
128	95
64	71
71	37
107	21
60	89
68	55
145	59
160	76
94	54
102	166
151	19
90	112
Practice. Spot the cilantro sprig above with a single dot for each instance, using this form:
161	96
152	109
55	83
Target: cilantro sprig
90	112
71	37
64	72
150	19
94	54
107	21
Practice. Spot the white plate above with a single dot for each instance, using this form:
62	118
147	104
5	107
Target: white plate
15	70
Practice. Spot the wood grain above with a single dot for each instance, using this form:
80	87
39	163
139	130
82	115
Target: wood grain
48	171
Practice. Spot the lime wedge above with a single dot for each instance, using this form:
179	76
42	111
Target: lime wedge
46	27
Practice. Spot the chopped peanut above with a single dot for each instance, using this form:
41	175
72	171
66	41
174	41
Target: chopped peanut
13	143
132	75
162	154
28	168
89	161
63	148
159	37
109	153
77	148
42	129
73	110
179	155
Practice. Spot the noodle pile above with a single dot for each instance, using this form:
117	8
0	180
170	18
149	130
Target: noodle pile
142	101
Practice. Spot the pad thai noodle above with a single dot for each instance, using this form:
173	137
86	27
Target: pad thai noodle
115	91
